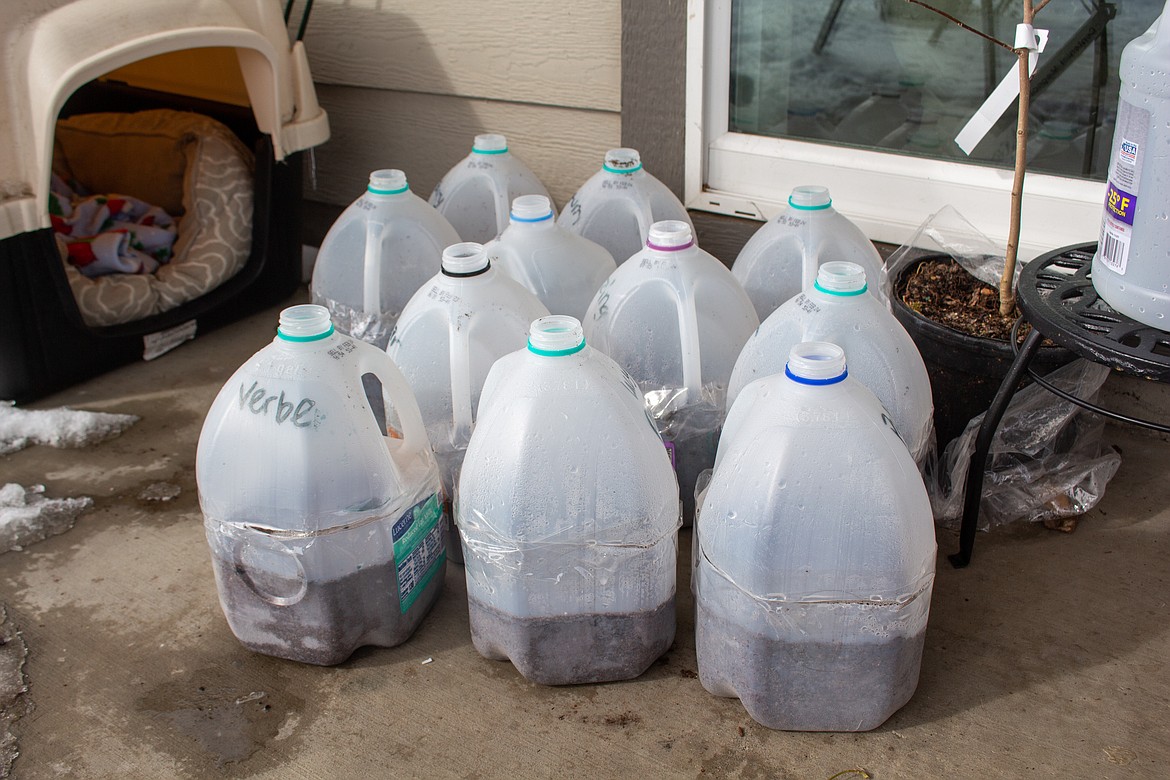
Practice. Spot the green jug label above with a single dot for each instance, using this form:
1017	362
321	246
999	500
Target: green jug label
418	548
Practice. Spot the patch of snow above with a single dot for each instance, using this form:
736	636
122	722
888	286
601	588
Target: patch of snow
27	517
64	427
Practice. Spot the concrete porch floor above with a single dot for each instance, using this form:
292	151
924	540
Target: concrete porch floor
1046	658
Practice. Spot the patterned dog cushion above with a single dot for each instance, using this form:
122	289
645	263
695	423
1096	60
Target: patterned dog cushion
106	152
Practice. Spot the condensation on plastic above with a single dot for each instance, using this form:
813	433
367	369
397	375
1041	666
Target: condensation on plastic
1046	461
879	351
378	252
812	468
567	504
782	257
290	508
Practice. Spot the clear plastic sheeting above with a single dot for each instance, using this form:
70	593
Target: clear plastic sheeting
949	232
1046	462
371	327
689	428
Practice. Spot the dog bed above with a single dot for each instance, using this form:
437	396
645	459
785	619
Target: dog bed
189	165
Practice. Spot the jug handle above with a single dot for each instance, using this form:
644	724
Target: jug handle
503	207
394	385
372	268
688	330
459	354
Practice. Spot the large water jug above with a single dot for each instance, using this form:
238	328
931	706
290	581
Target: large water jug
619	203
562	268
450	333
839	308
325	534
475	194
782	257
816	554
378	252
568	511
1131	269
675	318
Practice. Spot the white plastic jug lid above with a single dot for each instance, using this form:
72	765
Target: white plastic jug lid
670	235
816	363
556	336
490	143
810	197
389	181
840	277
464	259
622	161
531	208
306	322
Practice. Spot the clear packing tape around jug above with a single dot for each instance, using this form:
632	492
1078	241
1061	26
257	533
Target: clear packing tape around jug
494	556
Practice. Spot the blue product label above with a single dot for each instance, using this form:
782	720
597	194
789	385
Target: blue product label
418	548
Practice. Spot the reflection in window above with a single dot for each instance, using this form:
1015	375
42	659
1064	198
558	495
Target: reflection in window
890	75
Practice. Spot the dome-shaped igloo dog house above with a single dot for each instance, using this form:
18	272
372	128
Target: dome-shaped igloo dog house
94	71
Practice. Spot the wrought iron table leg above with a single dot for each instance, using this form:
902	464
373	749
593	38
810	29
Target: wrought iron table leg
973	489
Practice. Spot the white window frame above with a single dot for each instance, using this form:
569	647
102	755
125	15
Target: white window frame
887	195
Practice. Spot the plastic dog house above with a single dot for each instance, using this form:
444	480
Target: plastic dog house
53	55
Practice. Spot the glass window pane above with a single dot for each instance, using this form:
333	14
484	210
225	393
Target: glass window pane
893	76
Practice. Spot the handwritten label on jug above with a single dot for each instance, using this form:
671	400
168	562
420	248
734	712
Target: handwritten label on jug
574	208
258	401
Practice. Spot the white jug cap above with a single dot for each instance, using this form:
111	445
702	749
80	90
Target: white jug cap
388	181
490	143
623	161
670	235
816	363
531	208
464	259
810	197
840	277
306	322
556	336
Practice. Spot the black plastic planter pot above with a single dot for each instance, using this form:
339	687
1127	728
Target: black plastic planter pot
965	371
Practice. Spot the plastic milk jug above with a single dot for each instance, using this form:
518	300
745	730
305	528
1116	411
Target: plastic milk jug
619	203
325	534
839	309
815	554
449	334
378	252
562	268
782	257
1131	269
675	318
475	194
568	510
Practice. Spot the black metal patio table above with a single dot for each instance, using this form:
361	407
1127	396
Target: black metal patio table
1056	297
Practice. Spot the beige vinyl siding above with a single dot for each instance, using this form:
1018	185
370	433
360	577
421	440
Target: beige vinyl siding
409	85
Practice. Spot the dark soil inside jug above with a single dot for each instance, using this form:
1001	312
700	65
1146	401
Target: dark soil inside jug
331	620
577	648
850	685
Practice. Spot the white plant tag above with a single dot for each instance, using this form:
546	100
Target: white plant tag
1002	97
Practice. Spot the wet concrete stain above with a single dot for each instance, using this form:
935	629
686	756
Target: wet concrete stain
222	719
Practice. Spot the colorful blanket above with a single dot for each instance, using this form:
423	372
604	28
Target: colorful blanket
106	234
